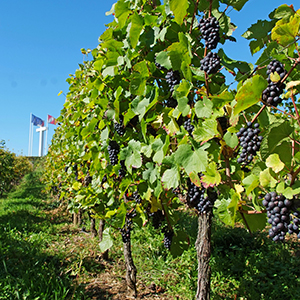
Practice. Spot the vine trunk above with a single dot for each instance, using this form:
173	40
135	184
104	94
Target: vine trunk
203	247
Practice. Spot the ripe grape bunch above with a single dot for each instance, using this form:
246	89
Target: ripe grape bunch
119	127
278	213
210	31
172	79
113	151
210	63
122	170
271	95
250	140
188	126
293	227
157	218
224	123
168	237
126	230
137	198
197	198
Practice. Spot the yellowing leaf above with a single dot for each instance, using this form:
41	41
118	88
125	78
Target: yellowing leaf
59	93
274	162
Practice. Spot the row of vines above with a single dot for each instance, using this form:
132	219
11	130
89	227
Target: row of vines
12	169
150	124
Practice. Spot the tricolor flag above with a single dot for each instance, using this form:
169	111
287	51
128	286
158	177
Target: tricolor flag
51	120
36	121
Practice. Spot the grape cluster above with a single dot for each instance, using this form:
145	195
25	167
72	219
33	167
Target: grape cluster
87	179
271	95
210	63
137	198
172	79
157	218
119	127
171	102
293	227
75	170
250	141
126	230
188	126
210	31
104	179
113	151
196	198
224	123
168	236
122	170
278	213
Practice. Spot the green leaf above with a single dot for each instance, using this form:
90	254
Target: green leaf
183	106
107	241
180	243
226	215
171	178
179	8
122	12
256	221
250	182
222	99
137	84
285	32
137	23
207	130
211	176
163	59
274	162
142	68
250	93
132	155
279	132
266	179
258	30
203	108
191	161
231	139
237	4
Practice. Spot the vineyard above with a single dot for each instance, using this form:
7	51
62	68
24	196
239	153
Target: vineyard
162	132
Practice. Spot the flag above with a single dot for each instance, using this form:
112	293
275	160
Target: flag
51	120
36	121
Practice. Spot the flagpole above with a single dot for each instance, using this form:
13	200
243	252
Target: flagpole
46	148
29	134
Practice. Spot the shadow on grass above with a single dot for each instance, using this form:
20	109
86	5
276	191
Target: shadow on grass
255	266
26	270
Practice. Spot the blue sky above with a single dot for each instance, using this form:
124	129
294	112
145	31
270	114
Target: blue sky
40	47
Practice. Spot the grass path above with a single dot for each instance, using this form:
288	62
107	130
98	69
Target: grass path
42	256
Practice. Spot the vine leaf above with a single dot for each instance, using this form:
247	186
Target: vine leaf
171	178
107	241
132	155
207	130
285	32
179	243
137	23
231	139
250	93
179	8
237	4
274	162
255	221
191	161
266	179
211	176
250	182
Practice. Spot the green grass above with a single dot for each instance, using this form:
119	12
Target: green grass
27	271
42	256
